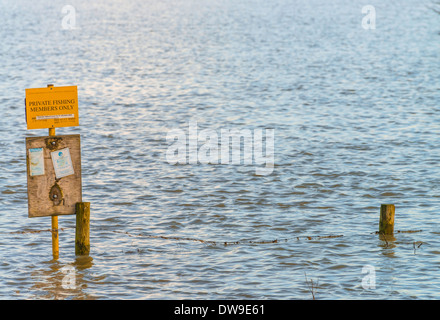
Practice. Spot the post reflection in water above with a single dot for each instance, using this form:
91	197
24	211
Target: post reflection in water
61	281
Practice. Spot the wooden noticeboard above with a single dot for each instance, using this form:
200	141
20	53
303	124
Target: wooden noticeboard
53	175
52	107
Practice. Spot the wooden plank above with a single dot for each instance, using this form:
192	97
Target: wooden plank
48	196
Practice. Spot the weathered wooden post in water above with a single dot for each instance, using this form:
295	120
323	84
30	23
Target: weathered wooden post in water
386	222
54	161
82	235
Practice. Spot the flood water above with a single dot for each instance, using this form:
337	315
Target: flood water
355	118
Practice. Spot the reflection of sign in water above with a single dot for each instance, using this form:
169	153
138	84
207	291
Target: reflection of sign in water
62	163
52	107
36	162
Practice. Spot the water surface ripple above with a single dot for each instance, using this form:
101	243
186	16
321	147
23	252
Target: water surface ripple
355	114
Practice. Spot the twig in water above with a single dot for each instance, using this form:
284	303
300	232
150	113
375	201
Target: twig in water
311	286
385	238
414	246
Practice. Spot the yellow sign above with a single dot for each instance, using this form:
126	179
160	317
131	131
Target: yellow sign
52	107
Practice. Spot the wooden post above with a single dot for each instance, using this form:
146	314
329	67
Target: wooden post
386	222
55	241
82	237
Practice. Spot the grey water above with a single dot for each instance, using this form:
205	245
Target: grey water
356	124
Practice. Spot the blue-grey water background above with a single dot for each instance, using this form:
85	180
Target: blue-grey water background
355	114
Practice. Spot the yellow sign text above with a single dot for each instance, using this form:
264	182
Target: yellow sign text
52	107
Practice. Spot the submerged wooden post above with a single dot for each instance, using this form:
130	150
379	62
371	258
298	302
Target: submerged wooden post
386	222
82	237
55	241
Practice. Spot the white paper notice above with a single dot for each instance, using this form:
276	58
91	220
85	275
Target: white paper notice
36	162
62	163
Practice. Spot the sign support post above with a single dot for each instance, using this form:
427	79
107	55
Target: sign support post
54	230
